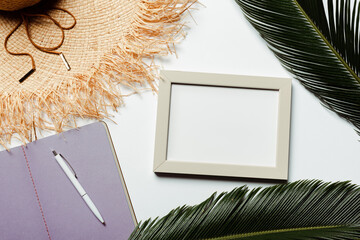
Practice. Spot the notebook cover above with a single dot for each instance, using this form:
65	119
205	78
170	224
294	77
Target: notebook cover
62	213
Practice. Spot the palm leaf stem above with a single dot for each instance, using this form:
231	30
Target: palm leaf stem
327	42
308	209
290	230
321	52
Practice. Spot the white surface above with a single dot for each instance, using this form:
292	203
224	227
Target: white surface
223	125
322	145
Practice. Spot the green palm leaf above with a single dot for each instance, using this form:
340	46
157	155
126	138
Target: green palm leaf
320	51
307	209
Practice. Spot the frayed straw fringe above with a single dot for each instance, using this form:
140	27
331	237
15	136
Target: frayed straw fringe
156	28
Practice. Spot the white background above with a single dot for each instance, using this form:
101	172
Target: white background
322	146
223	125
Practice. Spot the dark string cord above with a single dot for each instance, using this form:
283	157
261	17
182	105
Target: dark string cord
25	18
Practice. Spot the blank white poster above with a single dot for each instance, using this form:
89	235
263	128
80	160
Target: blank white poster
227	125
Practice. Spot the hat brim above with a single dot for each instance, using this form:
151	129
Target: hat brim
106	51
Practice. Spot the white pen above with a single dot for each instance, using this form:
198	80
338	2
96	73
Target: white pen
73	178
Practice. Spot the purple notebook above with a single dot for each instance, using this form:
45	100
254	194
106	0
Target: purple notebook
38	201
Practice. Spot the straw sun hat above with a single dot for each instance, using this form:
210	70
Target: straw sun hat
104	42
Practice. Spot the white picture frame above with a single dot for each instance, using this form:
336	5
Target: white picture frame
282	87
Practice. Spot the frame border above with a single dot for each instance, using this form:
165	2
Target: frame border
282	85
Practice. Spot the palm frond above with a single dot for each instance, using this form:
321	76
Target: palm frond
308	209
319	48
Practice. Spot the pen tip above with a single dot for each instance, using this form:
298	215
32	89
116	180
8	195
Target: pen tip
54	152
104	223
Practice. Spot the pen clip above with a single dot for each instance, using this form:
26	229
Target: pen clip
69	165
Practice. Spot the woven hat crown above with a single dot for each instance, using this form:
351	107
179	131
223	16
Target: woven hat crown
13	5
